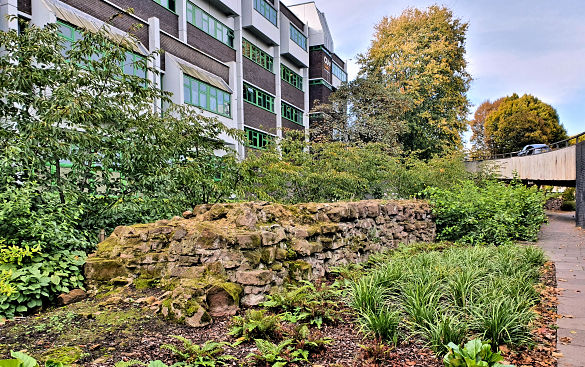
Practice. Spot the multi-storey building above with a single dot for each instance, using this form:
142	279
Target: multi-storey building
327	71
245	62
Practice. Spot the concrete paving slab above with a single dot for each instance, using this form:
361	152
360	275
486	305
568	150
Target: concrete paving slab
564	244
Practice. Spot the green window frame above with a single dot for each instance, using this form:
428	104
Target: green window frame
291	77
169	4
206	97
210	25
132	65
319	48
267	11
292	113
258	98
339	72
252	52
320	82
257	139
298	37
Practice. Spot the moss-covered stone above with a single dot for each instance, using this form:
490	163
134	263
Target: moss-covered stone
145	283
101	269
299	270
65	355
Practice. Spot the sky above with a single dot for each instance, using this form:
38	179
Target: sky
513	46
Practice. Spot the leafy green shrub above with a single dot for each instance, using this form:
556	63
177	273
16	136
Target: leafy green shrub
28	286
255	324
569	194
569	206
24	360
210	353
323	172
307	339
306	304
475	353
492	213
276	355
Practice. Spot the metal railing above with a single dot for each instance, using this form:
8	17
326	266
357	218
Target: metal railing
573	140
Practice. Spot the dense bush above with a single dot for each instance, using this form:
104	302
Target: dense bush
303	172
488	213
41	250
450	295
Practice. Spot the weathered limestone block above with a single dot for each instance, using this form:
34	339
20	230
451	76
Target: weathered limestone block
254	277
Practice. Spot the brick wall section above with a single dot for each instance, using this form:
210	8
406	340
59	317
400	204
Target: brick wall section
259	119
202	41
318	92
25	6
292	95
338	61
259	76
580	193
169	22
289	125
290	16
317	65
195	57
105	12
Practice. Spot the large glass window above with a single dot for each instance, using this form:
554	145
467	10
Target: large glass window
298	37
292	113
291	77
133	65
207	97
266	10
258	98
169	4
209	24
255	54
257	139
339	73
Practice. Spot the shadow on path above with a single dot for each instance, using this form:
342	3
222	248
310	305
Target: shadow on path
564	243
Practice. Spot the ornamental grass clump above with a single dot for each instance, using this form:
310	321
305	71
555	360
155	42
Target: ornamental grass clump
451	295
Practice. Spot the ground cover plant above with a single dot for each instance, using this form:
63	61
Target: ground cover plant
451	295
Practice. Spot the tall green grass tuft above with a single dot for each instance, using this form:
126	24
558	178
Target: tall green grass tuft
450	295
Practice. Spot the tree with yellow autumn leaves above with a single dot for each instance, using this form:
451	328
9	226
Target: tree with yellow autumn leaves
421	54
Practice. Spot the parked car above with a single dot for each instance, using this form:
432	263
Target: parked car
534	149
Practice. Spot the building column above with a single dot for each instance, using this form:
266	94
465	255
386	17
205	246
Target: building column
8	8
307	103
238	97
154	45
182	13
278	92
41	15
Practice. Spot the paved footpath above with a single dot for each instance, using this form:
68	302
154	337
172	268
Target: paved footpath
565	245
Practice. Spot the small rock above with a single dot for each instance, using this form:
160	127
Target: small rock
187	214
75	295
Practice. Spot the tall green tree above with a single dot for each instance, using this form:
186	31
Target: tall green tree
477	125
519	121
75	123
365	110
421	53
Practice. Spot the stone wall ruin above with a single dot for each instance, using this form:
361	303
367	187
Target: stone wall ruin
220	256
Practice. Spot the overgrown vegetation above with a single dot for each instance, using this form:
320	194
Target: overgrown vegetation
487	213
